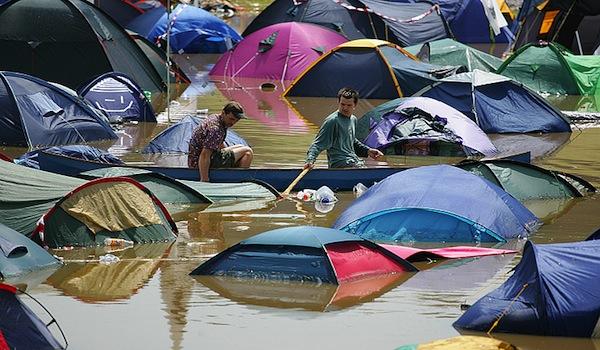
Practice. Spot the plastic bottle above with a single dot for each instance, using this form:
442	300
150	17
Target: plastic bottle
117	242
306	195
325	195
108	259
359	189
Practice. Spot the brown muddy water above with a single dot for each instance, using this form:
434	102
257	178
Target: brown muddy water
148	301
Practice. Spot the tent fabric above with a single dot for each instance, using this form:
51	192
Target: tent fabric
296	45
119	97
375	68
427	210
20	327
550	68
402	24
176	138
70	42
19	255
497	104
304	253
449	52
158	59
193	30
552	292
36	113
85	152
122	11
460	128
459	252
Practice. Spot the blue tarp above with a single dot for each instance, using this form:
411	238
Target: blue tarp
29	159
432	204
501	105
193	30
34	112
554	291
119	97
176	138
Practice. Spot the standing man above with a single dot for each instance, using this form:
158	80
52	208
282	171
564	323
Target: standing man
337	136
206	148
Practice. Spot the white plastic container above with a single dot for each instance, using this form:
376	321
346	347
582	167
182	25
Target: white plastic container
325	195
359	189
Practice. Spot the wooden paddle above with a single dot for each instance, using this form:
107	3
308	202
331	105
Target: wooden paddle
287	191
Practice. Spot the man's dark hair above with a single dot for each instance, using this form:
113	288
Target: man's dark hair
347	92
234	108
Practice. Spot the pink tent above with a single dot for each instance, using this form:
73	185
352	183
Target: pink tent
277	52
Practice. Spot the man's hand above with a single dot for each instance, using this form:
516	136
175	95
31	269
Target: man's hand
374	153
309	165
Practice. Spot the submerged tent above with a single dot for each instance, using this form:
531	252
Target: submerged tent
375	68
119	97
403	24
85	152
420	125
34	112
19	255
192	30
20	327
70	42
453	53
550	68
552	292
436	208
117	207
277	52
307	254
497	104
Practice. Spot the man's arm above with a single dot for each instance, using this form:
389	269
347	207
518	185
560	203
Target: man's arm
361	149
323	141
204	164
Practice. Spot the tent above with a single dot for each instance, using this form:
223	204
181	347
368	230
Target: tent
304	253
34	112
119	97
123	11
448	52
402	24
277	52
375	68
29	159
193	30
552	292
117	207
436	208
550	68
19	255
70	42
20	327
497	104
423	125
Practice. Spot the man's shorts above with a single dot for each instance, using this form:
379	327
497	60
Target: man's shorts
222	159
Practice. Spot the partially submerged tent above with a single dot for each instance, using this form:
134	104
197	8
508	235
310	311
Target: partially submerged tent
123	11
497	104
20	327
119	97
403	24
34	112
85	152
449	52
304	253
192	30
550	68
375	68
70	42
421	125
277	52
436	208
117	207
19	255
552	292
158	58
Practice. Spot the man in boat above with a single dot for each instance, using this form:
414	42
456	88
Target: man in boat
207	149
337	136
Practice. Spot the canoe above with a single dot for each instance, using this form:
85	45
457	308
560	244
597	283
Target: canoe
337	179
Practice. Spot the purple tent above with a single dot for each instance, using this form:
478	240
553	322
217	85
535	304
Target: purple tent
277	52
440	122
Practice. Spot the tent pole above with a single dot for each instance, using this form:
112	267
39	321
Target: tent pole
578	42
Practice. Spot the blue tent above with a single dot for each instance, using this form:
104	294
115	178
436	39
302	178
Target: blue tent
176	138
119	97
193	30
497	103
34	112
304	253
85	152
438	203
553	292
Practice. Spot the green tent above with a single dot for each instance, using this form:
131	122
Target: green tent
448	52
551	68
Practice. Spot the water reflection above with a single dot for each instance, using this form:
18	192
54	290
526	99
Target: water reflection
549	209
540	145
132	138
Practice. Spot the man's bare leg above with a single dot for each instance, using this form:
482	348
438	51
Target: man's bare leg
242	154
